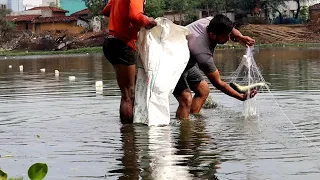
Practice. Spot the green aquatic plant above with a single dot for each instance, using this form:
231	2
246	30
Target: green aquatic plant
38	171
3	175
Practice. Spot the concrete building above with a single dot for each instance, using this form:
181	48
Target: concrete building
45	18
14	5
51	2
3	4
290	7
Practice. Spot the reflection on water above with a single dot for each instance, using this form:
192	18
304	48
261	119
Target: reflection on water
78	134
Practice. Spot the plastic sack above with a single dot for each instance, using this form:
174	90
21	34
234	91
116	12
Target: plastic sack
163	54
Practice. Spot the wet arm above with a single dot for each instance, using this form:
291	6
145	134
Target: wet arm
205	63
216	81
235	34
136	15
238	37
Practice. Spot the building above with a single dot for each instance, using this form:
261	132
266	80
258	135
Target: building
51	3
290	7
3	4
314	13
72	5
45	18
29	4
86	21
14	5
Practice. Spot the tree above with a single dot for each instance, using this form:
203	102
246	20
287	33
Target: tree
296	16
185	8
155	8
216	6
304	14
5	25
95	6
274	5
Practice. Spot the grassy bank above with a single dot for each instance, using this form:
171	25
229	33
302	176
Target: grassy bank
99	49
71	51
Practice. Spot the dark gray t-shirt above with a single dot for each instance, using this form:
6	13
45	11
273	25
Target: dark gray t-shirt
201	49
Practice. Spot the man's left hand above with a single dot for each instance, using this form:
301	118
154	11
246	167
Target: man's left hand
246	41
252	93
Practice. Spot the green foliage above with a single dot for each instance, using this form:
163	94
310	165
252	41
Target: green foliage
20	178
304	14
3	175
36	172
95	6
217	6
5	26
70	51
188	10
155	8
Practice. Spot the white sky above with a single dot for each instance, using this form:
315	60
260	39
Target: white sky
33	2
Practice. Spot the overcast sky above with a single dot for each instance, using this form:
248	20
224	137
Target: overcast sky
33	2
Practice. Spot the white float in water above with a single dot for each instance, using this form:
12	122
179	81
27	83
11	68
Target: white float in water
99	84
72	78
21	68
10	66
56	73
99	87
43	70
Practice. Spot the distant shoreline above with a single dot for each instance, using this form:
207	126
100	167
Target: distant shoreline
92	50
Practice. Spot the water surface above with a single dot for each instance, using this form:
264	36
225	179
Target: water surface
77	132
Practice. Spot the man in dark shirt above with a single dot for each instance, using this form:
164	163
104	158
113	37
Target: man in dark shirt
206	33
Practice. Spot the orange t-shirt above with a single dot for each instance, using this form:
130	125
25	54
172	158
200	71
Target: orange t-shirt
126	19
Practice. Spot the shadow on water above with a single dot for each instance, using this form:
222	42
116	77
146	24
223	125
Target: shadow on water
166	152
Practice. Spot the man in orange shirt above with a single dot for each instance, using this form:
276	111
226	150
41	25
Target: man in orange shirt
126	18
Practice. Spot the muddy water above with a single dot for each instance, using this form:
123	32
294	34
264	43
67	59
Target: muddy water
76	131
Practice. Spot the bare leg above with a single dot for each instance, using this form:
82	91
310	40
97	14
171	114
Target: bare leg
126	81
185	100
201	91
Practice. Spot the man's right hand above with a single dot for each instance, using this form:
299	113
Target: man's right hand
151	23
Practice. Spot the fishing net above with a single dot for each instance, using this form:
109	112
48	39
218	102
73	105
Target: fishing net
246	75
274	120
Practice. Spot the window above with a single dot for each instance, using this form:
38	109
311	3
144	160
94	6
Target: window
3	6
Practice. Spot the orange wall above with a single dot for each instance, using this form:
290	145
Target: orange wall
22	26
71	27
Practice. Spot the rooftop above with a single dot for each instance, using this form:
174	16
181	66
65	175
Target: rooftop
54	19
316	6
22	18
81	12
53	9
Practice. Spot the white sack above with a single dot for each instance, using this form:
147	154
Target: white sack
163	54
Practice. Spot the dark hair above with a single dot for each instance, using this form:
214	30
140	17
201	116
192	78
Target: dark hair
220	24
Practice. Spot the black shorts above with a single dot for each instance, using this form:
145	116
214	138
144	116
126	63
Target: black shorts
189	78
118	52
